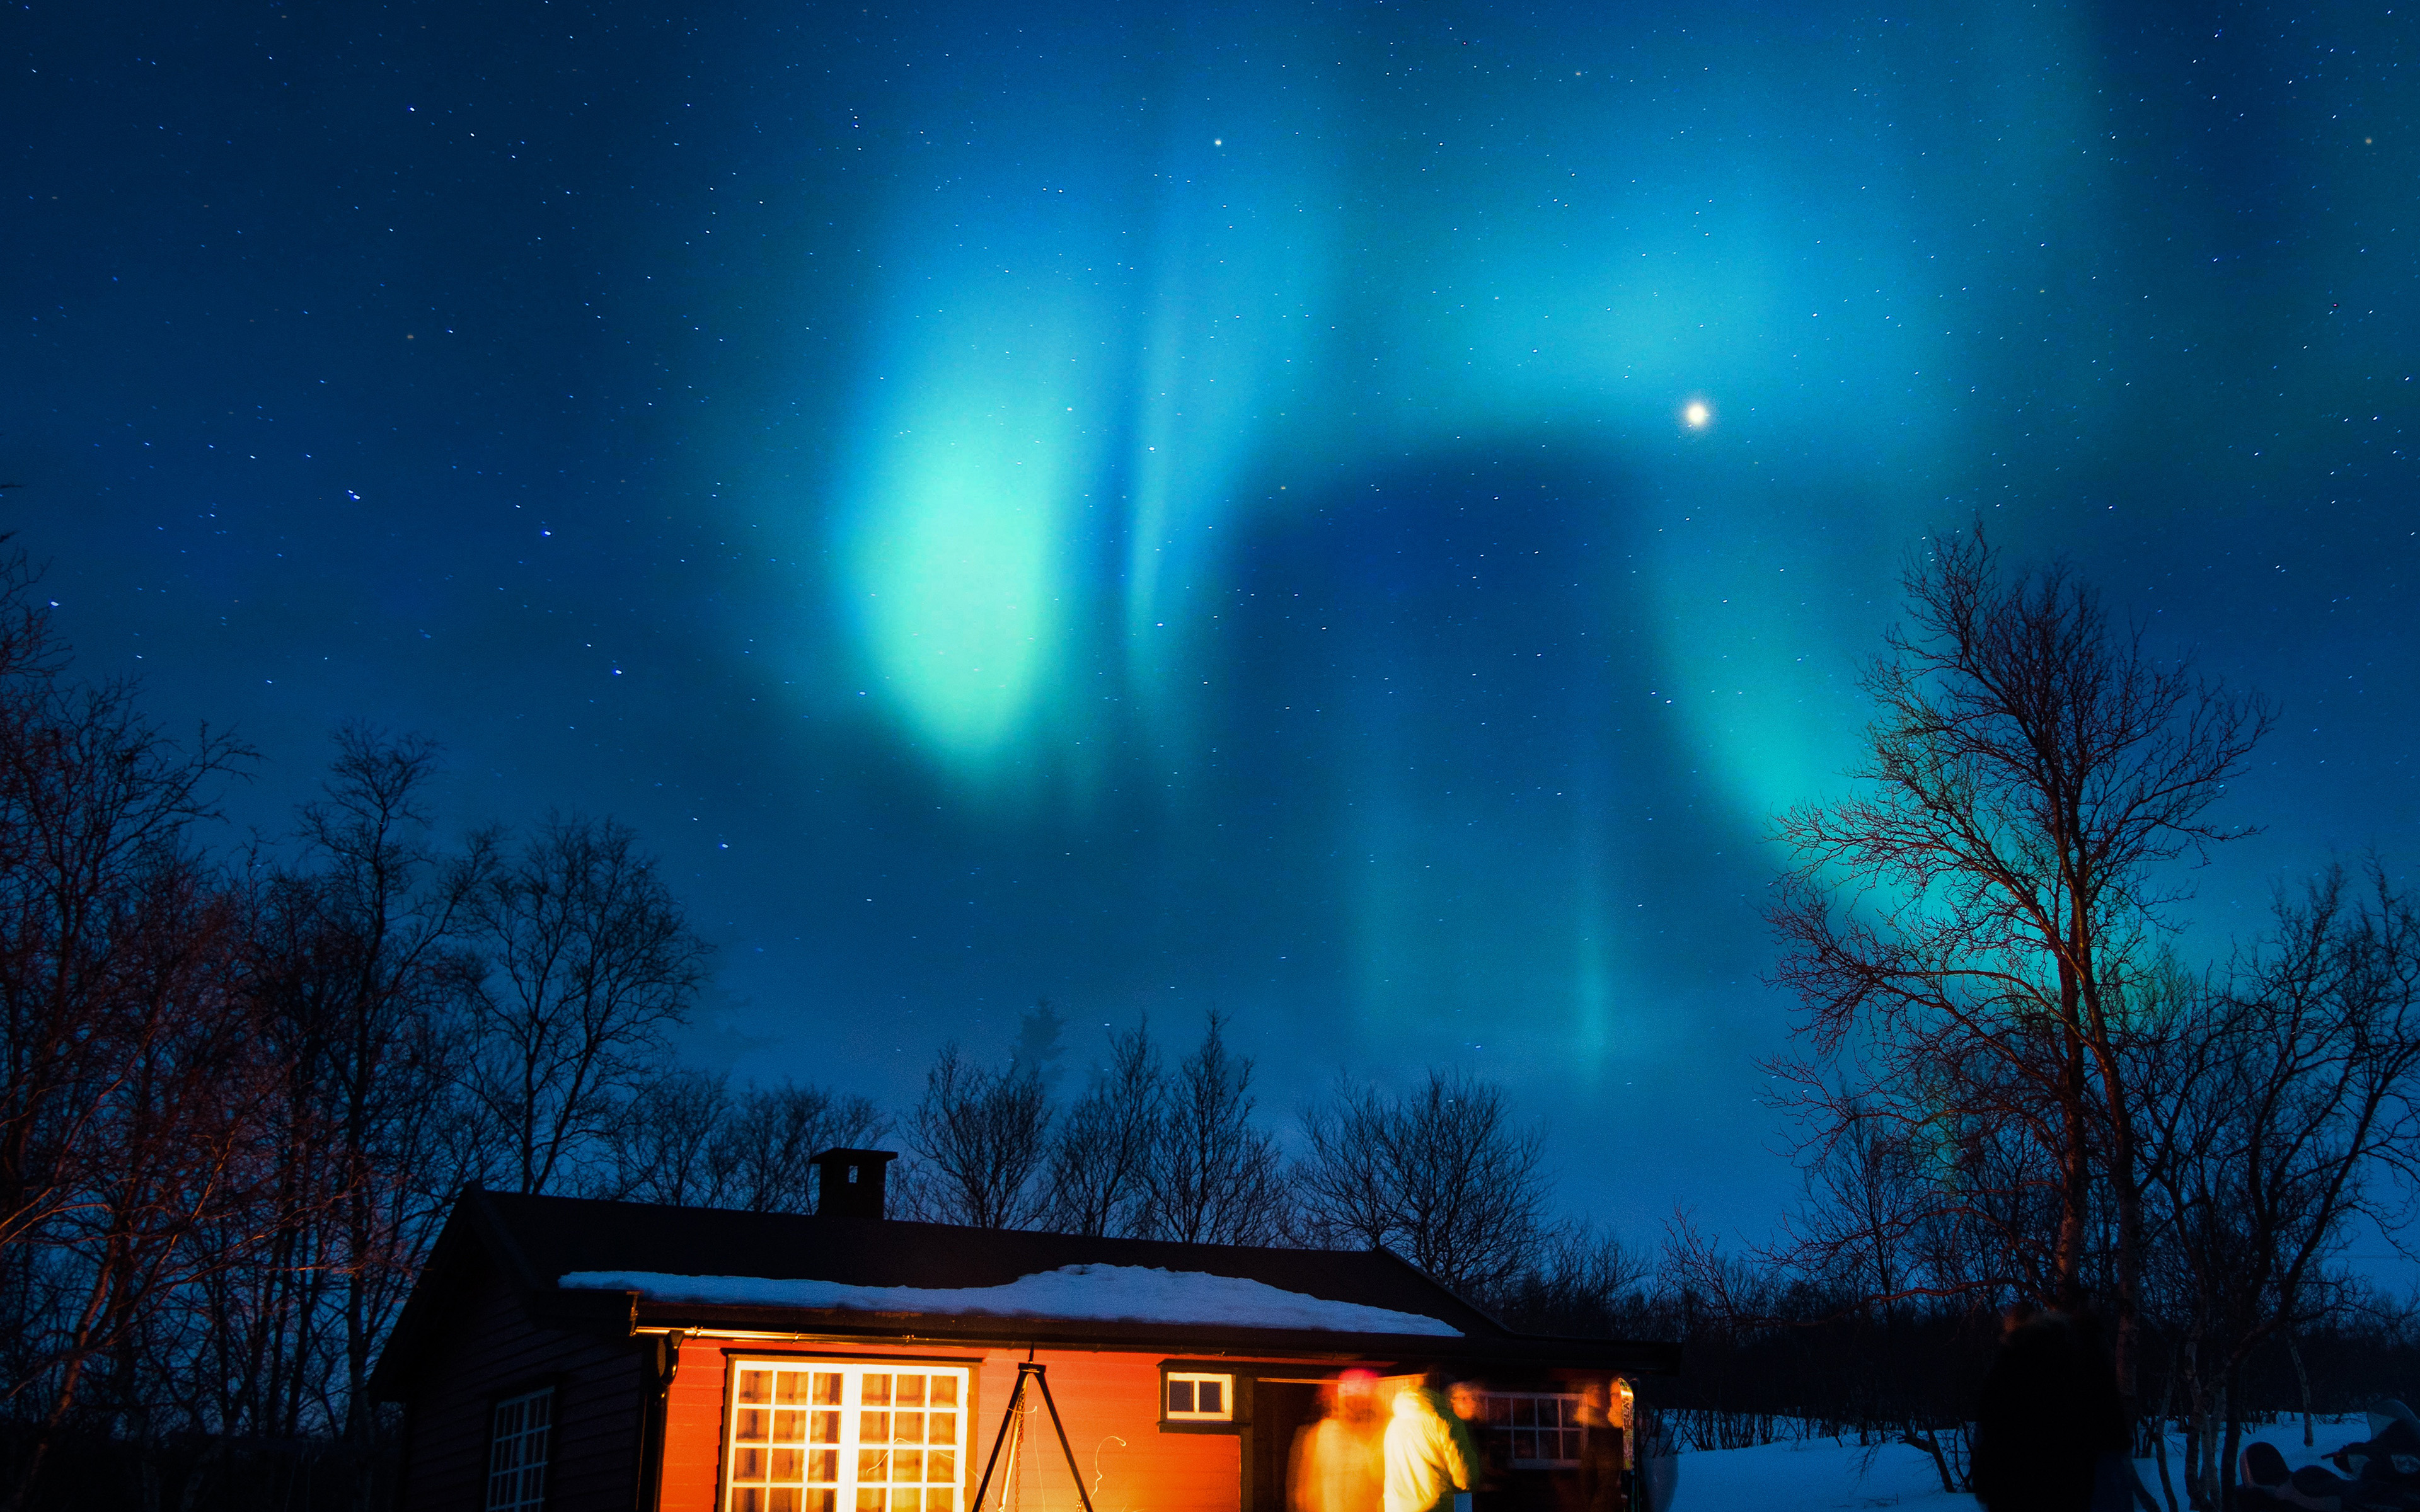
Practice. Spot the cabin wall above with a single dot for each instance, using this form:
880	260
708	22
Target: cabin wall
495	1350
1109	1403
692	1477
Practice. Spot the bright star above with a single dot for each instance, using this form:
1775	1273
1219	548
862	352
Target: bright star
1696	414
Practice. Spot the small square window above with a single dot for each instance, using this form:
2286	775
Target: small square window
1195	1397
1537	1431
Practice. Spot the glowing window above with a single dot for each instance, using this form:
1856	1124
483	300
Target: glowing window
1537	1431
517	1455
1193	1398
820	1436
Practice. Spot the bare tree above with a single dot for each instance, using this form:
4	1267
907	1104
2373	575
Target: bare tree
1101	1160
1214	1179
2297	1093
1577	1285
774	1131
1972	916
668	1142
176	1120
1439	1174
589	965
126	1119
392	981
983	1137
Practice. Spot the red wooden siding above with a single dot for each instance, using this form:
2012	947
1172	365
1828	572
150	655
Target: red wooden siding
493	1349
694	1430
1109	1403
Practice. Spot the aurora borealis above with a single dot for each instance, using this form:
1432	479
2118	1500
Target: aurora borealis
1187	507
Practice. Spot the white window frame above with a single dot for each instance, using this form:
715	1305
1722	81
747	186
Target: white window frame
1226	1385
1567	1418
844	1488
520	1440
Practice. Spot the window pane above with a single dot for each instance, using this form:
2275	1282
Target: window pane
1208	1395
517	1451
789	1450
1180	1396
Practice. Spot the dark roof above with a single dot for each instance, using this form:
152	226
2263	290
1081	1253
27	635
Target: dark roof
534	1241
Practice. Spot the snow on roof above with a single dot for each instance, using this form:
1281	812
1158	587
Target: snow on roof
1098	1293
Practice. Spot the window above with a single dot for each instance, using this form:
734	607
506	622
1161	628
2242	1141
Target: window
1536	1430
517	1451
1195	1397
823	1437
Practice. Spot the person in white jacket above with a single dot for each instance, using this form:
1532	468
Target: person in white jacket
1425	1465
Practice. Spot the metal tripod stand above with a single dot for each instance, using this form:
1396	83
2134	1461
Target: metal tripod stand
1025	1368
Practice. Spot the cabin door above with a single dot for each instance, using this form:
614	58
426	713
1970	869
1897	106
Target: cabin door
1280	1408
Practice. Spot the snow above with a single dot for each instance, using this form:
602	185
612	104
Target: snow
1091	1294
1826	1474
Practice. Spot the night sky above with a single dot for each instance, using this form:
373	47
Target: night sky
1191	506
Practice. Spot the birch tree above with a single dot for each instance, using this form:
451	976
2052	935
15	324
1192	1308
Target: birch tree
1973	914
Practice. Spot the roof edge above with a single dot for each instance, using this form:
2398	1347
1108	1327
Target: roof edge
1643	1356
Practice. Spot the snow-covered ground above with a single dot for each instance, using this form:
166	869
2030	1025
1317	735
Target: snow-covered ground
1823	1474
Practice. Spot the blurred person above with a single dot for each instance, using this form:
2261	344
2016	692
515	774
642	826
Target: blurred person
2050	1428
1597	1484
1425	1465
1468	1400
1339	1462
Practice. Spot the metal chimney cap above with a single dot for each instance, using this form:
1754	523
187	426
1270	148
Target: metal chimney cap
852	1157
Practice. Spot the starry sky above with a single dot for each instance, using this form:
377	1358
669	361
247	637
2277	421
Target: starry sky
1175	507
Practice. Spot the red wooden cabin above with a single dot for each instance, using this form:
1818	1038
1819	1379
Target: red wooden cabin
567	1354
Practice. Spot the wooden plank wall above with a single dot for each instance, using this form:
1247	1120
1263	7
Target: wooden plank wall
494	1350
694	1430
1109	1403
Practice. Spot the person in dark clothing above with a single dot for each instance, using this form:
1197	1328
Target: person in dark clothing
2049	1420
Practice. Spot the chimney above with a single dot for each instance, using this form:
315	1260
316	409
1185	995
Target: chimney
852	1183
